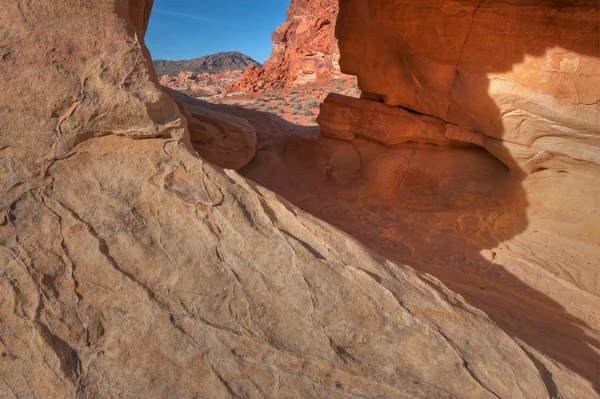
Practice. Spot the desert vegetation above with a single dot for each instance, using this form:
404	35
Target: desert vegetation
299	105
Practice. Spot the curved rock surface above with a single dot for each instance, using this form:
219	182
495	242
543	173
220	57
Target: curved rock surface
522	73
225	140
305	49
518	238
129	267
346	118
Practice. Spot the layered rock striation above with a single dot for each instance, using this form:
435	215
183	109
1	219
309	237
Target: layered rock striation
131	267
520	74
472	155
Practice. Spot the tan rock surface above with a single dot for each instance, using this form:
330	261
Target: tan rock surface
225	140
129	267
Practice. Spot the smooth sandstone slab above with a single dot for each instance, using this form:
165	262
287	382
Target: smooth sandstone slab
346	117
222	139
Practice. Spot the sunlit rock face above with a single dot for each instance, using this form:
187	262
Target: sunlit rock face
305	49
522	73
472	154
130	267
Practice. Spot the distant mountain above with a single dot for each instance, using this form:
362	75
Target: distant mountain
215	63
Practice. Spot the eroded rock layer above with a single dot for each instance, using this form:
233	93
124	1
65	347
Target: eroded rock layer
304	49
200	85
523	73
130	267
346	118
511	222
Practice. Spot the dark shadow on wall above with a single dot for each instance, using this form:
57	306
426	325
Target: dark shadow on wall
437	208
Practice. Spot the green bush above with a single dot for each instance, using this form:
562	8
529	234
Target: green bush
280	111
307	112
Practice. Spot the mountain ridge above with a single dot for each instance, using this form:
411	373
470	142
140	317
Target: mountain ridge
211	63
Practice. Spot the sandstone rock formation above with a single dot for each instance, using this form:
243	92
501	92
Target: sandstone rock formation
522	74
200	85
304	49
510	221
218	137
345	117
130	267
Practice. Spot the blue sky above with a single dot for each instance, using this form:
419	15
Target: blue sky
184	29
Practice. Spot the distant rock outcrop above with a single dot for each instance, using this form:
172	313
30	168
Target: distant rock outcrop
213	64
304	49
200	85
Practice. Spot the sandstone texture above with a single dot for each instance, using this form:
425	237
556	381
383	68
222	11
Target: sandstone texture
346	117
305	49
523	74
471	155
220	138
130	267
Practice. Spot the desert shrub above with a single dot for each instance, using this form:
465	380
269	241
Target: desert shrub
295	112
280	111
312	103
313	120
296	106
307	112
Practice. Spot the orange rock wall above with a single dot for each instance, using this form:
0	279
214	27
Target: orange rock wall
304	49
523	74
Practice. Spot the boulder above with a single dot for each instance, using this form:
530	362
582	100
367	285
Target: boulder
220	138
